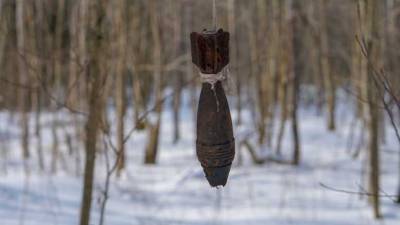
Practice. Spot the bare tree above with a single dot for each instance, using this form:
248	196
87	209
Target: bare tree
330	90
23	76
120	37
154	128
93	124
295	11
178	78
372	12
285	70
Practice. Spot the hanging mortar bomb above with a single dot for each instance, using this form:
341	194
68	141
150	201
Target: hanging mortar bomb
215	144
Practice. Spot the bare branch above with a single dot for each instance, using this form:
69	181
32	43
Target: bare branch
364	193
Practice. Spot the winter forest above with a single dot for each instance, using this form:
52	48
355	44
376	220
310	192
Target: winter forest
116	113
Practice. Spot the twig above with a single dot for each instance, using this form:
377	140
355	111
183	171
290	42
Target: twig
110	171
380	79
109	144
43	86
150	110
19	85
363	193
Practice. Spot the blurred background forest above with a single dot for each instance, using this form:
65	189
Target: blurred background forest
81	79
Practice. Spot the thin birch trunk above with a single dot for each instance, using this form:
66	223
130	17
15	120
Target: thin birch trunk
57	70
178	79
231	8
295	78
327	75
263	75
188	23
96	76
23	77
273	56
154	128
372	34
120	98
284	56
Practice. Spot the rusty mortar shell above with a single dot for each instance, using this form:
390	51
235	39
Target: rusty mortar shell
215	145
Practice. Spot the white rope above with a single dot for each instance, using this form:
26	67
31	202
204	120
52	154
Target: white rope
212	79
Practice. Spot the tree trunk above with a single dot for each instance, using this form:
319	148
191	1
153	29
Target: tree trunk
325	65
120	65
188	24
23	76
284	71
96	45
272	70
263	76
178	79
374	148
92	127
255	75
176	108
77	70
358	67
373	13
55	151
295	79
38	129
231	8
154	129
138	41
37	100
121	108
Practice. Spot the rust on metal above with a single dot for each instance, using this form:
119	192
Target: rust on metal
215	144
210	50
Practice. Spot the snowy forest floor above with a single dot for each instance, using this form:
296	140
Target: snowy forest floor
175	191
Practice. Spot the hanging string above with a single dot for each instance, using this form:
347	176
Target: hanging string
214	16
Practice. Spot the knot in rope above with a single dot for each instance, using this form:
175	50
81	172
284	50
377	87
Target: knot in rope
212	79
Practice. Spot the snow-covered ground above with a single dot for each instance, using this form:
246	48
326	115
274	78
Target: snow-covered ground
175	191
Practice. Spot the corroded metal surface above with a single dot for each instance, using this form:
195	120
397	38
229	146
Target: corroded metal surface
215	145
210	51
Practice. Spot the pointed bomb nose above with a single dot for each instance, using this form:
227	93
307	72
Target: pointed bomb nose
217	176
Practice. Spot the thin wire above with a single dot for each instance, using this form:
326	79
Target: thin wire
214	22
